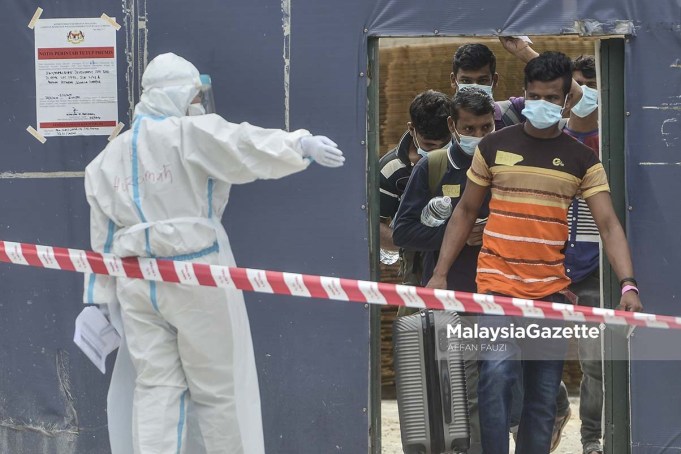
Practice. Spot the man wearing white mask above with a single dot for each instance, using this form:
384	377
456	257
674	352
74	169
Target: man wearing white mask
159	190
471	118
533	171
509	113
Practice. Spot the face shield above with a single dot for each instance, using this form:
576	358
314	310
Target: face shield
203	103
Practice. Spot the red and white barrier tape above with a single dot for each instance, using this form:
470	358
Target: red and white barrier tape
310	286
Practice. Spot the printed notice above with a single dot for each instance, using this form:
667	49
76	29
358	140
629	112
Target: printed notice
95	336
75	72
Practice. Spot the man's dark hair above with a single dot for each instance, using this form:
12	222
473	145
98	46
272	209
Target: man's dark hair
472	100
429	112
587	65
550	66
471	57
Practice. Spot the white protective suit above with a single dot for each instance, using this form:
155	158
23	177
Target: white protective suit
159	190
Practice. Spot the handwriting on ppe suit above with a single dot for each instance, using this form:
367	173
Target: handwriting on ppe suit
164	175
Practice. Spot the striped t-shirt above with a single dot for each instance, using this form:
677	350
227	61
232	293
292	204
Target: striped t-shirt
533	182
582	254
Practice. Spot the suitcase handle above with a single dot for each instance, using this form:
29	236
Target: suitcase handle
446	387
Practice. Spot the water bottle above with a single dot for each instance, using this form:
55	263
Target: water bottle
389	257
436	213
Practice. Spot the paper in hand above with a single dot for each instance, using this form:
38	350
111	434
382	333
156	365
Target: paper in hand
95	336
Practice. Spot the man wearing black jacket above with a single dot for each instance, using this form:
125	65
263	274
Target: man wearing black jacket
426	131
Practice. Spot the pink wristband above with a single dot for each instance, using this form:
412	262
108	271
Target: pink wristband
626	288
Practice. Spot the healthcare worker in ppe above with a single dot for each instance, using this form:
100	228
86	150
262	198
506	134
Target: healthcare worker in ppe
122	384
159	190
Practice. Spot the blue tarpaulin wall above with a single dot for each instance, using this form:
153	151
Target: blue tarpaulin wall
301	64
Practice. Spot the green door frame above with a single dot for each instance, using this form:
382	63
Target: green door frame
373	212
615	373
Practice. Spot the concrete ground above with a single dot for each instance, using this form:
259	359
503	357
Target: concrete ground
391	443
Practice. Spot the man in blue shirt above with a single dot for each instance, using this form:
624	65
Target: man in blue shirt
471	118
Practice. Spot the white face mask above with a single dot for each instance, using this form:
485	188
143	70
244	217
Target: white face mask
486	88
543	114
587	104
196	109
468	143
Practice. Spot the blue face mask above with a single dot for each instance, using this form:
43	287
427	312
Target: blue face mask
486	88
423	152
468	143
543	114
587	104
419	150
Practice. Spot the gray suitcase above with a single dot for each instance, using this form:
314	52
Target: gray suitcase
431	385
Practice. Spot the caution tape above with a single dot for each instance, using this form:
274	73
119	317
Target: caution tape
311	286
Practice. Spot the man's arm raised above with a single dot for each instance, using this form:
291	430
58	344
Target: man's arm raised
522	50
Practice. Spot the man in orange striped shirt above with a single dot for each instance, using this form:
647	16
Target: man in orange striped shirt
533	171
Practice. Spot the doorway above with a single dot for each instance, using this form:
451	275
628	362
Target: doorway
400	68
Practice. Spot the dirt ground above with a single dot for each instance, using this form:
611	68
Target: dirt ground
391	443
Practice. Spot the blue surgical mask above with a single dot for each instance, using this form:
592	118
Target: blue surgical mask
423	152
587	104
468	143
486	88
543	114
419	150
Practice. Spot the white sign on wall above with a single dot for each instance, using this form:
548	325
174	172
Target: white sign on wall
75	71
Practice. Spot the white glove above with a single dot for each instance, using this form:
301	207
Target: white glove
322	150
